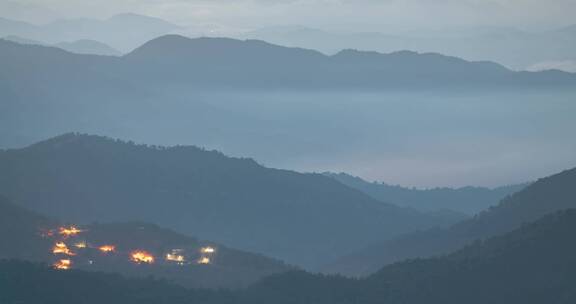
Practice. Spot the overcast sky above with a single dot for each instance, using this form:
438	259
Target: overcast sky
367	15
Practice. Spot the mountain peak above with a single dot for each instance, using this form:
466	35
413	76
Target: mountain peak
199	50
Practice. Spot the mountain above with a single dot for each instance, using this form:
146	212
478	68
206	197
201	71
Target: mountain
532	264
10	27
304	219
20	233
547	195
223	61
510	47
83	46
568	65
199	93
123	31
54	286
22	40
467	200
28	236
164	63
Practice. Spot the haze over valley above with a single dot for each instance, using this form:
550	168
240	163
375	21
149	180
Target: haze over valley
291	152
289	117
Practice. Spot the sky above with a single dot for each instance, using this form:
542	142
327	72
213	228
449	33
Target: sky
365	15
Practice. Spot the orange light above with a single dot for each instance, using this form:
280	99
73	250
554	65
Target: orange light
63	264
69	231
107	248
80	245
140	257
207	249
62	248
176	256
204	260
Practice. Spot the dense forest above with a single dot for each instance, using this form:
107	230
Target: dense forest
234	201
532	264
26	235
544	196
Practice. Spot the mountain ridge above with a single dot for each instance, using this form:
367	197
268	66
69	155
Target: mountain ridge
469	199
201	192
226	62
544	196
27	235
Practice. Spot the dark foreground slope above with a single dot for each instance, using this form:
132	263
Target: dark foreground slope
531	265
547	195
21	233
26	235
305	219
26	283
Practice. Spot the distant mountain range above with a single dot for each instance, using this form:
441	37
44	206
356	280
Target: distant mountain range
122	31
222	62
29	236
547	195
222	93
84	46
533	264
30	87
257	64
303	219
514	48
511	47
467	200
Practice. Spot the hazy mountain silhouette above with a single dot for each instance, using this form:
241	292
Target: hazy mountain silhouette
468	200
218	62
305	219
23	236
206	98
83	46
22	40
511	47
252	63
123	31
13	27
532	264
547	195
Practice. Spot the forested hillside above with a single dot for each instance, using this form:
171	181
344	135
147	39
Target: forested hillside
233	201
546	195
